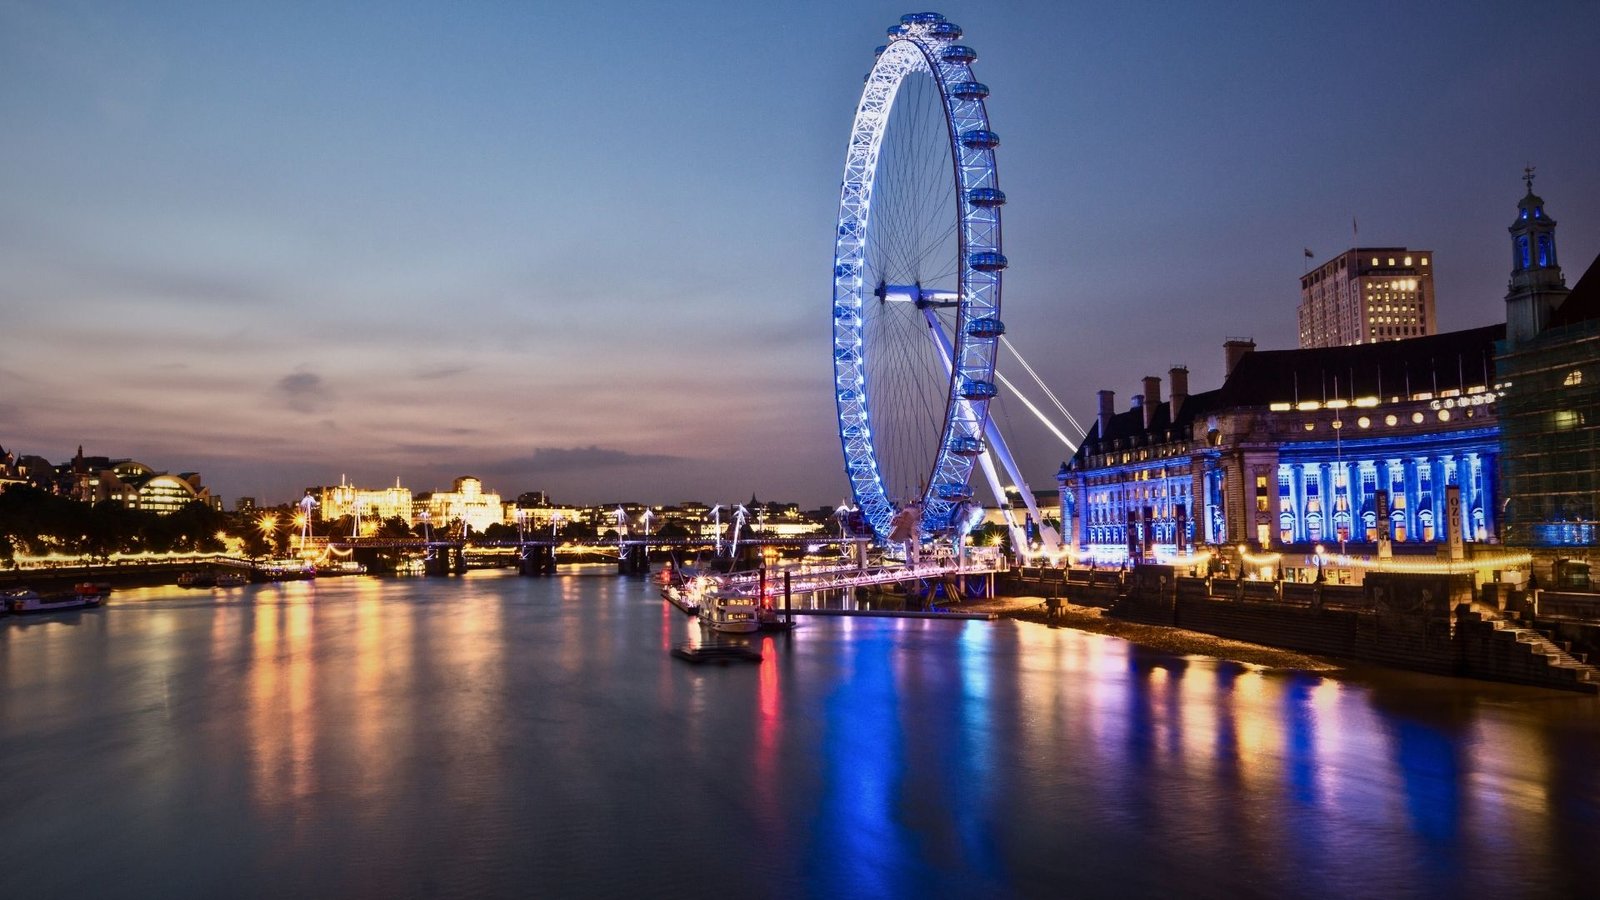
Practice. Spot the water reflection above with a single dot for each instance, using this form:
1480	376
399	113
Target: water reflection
489	735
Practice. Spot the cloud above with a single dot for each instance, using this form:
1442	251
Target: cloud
551	460
440	372
304	391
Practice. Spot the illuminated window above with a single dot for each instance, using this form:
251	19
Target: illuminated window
1416	418
1391	260
1408	260
1424	260
1444	415
1364	422
1573	379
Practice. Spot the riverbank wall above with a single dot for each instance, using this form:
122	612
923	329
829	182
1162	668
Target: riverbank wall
1432	623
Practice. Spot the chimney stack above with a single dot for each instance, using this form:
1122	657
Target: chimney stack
1152	398
1233	350
1179	378
1108	408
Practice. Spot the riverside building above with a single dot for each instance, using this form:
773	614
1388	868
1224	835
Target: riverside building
1368	294
1396	444
1347	446
345	499
1549	363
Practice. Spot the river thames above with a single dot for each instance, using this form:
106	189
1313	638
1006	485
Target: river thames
501	736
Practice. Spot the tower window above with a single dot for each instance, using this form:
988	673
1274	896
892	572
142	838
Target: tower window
1522	261
1546	251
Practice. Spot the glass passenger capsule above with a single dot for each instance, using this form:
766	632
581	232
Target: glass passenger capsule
980	139
977	389
986	197
969	90
956	53
921	18
952	491
946	31
965	445
987	261
986	328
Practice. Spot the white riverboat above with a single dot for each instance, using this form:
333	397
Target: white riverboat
729	615
23	601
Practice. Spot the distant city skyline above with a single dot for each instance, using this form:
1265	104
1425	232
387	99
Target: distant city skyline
583	251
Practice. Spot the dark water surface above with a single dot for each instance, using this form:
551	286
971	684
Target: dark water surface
497	736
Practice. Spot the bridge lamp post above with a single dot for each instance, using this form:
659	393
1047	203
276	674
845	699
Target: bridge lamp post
268	524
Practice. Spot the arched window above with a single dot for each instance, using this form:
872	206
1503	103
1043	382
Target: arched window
1522	261
1547	251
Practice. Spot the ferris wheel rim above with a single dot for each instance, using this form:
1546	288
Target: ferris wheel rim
922	43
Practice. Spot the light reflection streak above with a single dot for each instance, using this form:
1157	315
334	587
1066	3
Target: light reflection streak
769	732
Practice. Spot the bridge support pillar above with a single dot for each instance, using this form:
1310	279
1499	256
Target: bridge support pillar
436	562
536	559
634	560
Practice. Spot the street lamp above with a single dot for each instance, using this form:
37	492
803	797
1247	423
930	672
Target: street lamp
1319	552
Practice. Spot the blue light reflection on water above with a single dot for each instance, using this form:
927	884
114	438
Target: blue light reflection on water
489	735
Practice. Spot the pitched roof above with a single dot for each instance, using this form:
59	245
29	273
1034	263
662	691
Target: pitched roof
1454	360
1583	303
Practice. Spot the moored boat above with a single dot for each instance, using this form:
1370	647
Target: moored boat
231	579
686	592
729	615
24	601
197	579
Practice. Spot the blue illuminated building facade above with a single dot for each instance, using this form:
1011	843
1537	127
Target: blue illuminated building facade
1297	448
1348	446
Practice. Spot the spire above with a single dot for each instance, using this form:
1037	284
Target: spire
1537	286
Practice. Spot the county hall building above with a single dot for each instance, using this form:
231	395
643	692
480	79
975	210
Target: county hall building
1341	446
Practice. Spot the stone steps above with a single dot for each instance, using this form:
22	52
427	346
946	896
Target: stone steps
1558	657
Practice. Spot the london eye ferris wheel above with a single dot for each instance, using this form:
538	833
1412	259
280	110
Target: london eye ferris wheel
916	278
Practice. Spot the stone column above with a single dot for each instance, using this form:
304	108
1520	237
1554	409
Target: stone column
1439	479
1081	537
1325	500
1297	503
1486	472
1357	486
1413	488
1469	495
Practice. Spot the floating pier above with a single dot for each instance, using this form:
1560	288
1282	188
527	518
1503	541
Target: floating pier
721	652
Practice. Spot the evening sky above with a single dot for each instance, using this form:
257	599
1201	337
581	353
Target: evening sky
585	248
